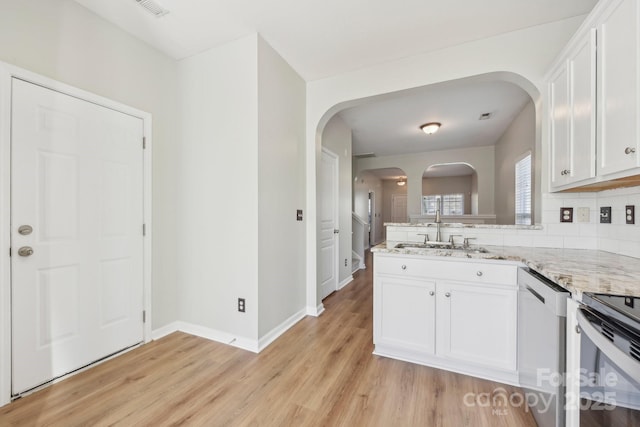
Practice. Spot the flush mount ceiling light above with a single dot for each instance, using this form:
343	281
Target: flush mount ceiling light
401	181
430	128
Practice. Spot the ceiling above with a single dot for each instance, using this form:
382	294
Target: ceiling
329	37
392	126
324	38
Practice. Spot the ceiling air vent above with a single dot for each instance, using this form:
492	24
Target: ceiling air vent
153	8
364	155
485	116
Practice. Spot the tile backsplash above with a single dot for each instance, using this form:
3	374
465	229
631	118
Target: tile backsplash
616	237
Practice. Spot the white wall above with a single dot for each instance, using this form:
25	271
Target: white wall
517	140
281	239
217	247
64	41
337	138
480	158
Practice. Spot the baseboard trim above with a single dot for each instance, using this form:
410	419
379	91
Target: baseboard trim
315	311
208	333
276	332
345	282
255	346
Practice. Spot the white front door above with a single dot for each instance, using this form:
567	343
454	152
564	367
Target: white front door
328	215
399	208
77	276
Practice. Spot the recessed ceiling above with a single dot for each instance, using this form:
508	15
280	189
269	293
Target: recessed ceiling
329	37
392	126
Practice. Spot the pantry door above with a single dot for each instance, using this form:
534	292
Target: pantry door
76	233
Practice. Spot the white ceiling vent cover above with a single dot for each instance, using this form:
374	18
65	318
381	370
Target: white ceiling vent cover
152	7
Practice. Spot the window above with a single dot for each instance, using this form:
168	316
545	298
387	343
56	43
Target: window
523	191
452	204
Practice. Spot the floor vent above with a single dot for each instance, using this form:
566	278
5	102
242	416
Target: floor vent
153	8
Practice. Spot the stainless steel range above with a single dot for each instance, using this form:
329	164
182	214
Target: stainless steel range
610	360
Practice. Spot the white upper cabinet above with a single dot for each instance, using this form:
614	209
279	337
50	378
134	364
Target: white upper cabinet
618	88
594	96
572	98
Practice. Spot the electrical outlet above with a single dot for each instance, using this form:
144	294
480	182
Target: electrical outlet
630	214
605	215
241	305
345	262
583	215
566	214
299	215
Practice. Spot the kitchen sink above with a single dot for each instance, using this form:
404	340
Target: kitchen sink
434	245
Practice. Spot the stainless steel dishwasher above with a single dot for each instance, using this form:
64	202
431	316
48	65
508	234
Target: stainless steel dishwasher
542	313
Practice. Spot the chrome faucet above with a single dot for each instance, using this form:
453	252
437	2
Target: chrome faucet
438	222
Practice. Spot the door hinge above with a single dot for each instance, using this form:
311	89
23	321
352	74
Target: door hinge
144	229
144	142
9	251
144	316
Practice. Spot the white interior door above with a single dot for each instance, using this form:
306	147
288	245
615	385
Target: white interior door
329	230
77	181
398	208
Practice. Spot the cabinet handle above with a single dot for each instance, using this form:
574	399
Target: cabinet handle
432	293
629	150
448	294
404	267
479	274
578	329
565	172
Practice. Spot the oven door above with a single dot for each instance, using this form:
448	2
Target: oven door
609	373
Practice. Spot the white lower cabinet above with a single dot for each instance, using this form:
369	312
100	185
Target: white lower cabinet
407	314
477	324
447	314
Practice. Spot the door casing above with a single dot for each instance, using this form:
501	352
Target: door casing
7	72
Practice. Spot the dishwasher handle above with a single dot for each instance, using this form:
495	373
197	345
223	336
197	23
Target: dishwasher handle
535	294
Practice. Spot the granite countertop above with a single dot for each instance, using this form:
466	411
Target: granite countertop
577	270
464	225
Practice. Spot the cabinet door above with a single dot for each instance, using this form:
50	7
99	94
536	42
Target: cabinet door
582	95
618	44
572	102
404	313
559	124
477	324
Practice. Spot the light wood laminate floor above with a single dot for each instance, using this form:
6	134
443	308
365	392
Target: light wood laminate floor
320	373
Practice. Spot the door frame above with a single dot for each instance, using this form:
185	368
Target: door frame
7	73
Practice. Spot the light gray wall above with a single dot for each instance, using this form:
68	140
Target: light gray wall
450	185
64	41
281	239
480	158
517	140
217	246
337	138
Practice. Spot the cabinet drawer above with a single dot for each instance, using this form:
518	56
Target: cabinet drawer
473	272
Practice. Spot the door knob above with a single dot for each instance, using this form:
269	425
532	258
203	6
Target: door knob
25	230
448	294
336	231
629	150
25	251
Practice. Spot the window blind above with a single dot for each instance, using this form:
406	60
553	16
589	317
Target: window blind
523	191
